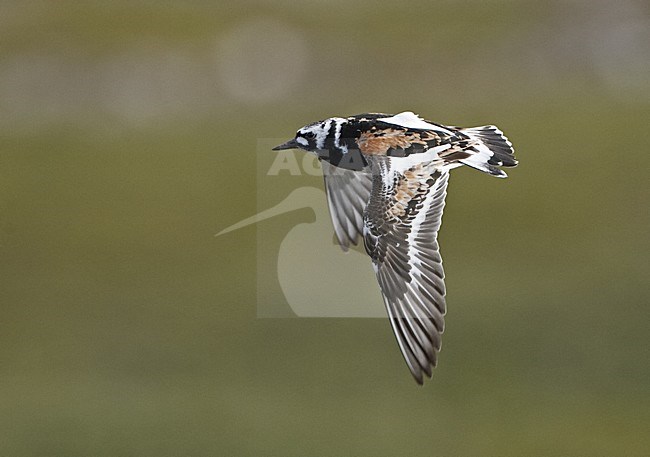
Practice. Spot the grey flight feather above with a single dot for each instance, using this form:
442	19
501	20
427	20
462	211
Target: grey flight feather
347	195
404	249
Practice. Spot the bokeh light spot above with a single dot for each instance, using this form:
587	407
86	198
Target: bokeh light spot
261	61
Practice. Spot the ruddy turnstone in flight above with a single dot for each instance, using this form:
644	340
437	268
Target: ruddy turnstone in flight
386	180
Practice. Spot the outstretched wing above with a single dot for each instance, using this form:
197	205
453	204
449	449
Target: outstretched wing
402	220
347	195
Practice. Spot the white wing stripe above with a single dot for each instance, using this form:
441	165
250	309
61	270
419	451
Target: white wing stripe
410	120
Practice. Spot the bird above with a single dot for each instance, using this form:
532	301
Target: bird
386	178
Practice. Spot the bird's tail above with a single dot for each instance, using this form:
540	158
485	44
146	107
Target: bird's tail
494	150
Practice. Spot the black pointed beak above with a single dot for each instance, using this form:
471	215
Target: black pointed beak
291	144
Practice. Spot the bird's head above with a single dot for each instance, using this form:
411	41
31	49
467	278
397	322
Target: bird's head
313	137
331	140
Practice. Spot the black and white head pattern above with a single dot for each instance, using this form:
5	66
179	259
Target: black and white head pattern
321	135
333	141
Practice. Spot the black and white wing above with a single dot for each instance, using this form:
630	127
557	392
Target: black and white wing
402	220
347	195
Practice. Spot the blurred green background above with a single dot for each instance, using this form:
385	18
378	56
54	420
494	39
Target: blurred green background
129	137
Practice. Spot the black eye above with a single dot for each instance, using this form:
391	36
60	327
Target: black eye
310	135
